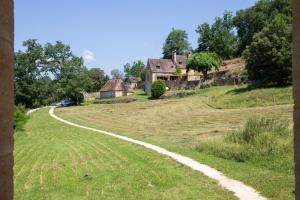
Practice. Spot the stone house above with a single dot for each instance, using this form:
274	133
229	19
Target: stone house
169	70
115	88
132	82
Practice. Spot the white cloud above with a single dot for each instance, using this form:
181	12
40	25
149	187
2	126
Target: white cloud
88	56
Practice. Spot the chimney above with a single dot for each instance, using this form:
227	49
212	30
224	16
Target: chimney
174	57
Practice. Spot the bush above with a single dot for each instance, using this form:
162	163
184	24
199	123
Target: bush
158	89
177	94
269	56
20	118
115	100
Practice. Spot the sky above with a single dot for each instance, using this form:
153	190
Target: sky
110	33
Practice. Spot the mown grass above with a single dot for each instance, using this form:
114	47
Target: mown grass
181	124
58	161
244	97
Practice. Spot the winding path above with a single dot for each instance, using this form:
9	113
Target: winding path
239	189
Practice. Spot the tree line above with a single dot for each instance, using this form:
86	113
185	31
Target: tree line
262	34
49	73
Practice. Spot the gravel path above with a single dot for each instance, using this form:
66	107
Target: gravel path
239	189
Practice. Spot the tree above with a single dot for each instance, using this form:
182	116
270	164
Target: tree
252	20
177	40
219	37
70	75
204	40
73	80
116	74
45	74
28	67
158	88
203	62
136	69
98	79
269	57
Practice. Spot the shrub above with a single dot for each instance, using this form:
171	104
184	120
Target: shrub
158	89
177	94
115	100
20	118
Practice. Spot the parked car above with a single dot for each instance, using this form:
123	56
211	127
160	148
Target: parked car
66	102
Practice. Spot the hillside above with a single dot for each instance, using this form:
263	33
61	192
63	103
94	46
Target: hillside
181	124
57	161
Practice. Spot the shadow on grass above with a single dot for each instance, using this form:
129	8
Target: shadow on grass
240	90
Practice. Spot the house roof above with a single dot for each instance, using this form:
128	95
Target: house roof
113	85
132	79
161	65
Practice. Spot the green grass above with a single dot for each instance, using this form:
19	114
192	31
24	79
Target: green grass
58	161
264	142
181	124
244	97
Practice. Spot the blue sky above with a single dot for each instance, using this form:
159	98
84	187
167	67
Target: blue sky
110	33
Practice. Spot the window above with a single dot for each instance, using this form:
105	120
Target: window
180	63
157	67
172	66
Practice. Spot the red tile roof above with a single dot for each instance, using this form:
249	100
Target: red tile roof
113	85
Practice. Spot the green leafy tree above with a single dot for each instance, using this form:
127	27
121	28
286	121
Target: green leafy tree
177	40
28	76
205	38
45	74
70	75
203	62
252	20
73	80
269	57
219	37
116	74
136	69
98	79
158	88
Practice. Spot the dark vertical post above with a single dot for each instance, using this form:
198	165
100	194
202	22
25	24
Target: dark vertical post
296	90
6	98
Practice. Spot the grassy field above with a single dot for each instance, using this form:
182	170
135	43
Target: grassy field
58	161
182	124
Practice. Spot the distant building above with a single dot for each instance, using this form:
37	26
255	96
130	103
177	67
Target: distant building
168	70
112	88
115	88
132	82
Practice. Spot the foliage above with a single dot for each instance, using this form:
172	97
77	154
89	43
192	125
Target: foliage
219	37
116	74
252	20
136	69
20	118
45	74
203	62
258	139
115	100
29	82
177	40
158	89
178	72
98	79
269	57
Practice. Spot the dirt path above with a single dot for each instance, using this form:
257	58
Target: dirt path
239	189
